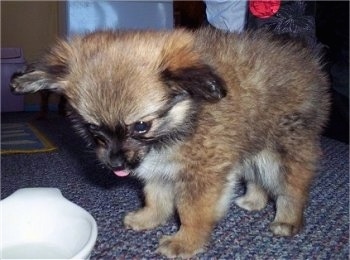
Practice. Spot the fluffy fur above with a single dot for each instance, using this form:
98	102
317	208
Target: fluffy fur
192	114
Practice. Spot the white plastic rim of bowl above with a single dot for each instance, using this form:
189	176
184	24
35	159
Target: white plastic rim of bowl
39	223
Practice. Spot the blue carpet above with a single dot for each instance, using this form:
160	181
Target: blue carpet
240	235
23	138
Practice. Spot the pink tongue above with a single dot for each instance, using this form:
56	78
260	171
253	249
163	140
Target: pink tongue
121	173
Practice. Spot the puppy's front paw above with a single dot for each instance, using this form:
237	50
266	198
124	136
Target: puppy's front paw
176	246
284	229
142	219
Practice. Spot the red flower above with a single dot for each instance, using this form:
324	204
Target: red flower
264	8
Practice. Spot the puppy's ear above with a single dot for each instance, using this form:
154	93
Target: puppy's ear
184	72
48	74
200	82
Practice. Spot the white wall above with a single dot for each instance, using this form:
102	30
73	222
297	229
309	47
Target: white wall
85	16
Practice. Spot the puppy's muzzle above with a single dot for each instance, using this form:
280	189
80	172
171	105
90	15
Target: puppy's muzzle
117	161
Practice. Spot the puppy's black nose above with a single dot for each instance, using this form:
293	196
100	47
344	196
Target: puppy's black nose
117	162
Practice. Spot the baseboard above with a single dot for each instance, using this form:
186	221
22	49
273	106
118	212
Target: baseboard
36	108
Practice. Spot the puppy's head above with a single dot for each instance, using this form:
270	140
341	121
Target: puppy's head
131	91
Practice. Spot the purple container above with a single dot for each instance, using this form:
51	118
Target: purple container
11	61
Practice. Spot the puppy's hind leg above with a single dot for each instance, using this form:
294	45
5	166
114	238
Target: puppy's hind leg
290	203
255	197
159	206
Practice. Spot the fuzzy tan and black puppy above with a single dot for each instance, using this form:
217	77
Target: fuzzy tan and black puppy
192	114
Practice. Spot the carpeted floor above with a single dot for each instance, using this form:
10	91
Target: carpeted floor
240	235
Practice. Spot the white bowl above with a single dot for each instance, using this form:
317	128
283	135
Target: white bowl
39	223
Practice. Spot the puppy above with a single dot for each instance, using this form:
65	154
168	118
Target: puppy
192	114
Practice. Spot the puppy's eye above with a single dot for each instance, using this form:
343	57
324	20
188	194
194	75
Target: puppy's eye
100	140
141	127
98	137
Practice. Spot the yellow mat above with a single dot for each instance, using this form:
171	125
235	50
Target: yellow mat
23	138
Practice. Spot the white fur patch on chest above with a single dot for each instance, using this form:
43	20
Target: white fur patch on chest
159	165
